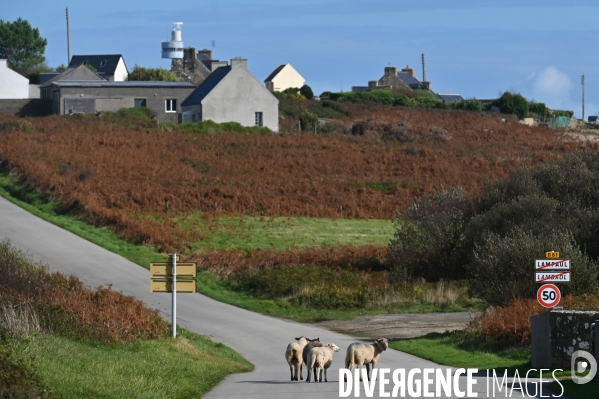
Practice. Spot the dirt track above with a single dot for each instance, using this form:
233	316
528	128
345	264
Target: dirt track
400	326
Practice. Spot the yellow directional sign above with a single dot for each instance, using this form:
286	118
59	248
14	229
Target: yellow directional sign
164	269
552	255
163	285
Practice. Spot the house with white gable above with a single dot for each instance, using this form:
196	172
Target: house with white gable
283	78
12	84
232	94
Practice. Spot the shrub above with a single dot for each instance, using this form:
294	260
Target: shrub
513	103
306	91
17	125
152	74
309	121
538	108
467	105
429	241
501	268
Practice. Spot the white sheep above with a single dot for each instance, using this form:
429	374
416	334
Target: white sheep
294	357
320	359
359	354
312	344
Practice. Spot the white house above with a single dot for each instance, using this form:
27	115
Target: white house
12	84
232	94
284	77
110	66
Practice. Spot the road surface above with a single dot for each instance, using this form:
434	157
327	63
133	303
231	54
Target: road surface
260	339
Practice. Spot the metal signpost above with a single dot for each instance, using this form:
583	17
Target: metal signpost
551	270
167	281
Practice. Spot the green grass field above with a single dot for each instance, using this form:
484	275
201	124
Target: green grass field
281	233
162	368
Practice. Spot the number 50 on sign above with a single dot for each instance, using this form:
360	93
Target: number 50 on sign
549	295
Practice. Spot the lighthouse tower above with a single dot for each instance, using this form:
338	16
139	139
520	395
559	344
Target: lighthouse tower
174	48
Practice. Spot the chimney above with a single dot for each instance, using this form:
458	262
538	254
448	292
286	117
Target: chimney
205	55
391	71
408	70
239	62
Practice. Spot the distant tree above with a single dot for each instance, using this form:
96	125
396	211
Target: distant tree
61	68
21	45
512	103
291	90
306	91
538	108
152	74
91	68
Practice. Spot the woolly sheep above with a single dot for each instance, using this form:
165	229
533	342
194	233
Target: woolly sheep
320	359
314	344
359	354
294	357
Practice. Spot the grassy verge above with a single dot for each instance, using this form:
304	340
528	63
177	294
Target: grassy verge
163	368
460	349
210	285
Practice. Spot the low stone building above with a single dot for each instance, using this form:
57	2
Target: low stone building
77	97
232	94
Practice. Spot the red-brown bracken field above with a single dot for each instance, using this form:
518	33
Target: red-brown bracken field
374	165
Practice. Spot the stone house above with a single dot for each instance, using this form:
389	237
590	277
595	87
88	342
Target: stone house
195	67
76	97
232	94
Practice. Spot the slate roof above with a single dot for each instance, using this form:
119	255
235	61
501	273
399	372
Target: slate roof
450	98
104	83
77	76
206	86
593	118
108	68
407	78
274	73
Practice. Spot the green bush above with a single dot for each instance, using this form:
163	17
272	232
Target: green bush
17	125
152	74
211	127
430	239
512	103
538	108
309	121
467	105
306	91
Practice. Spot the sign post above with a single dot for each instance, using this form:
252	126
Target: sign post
163	278
551	270
174	260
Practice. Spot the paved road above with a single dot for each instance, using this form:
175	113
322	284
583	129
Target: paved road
260	339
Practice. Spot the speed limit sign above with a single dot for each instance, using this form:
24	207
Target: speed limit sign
549	295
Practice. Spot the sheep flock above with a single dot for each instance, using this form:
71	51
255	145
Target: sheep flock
318	357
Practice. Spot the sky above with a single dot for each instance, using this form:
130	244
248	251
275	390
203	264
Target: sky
477	49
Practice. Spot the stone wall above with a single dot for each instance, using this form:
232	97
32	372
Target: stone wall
570	331
26	107
557	334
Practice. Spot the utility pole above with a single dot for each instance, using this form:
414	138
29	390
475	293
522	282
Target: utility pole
68	38
423	69
582	82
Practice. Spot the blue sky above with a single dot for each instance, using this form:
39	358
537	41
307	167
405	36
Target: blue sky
475	48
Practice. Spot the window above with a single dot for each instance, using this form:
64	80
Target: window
258	119
139	102
103	62
170	105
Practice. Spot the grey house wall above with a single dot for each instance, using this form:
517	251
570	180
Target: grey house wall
237	98
115	98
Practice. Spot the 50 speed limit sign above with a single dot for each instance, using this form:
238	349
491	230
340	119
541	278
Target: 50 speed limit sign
549	295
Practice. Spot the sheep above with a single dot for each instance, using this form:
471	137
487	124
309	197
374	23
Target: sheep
293	354
320	359
314	344
359	354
